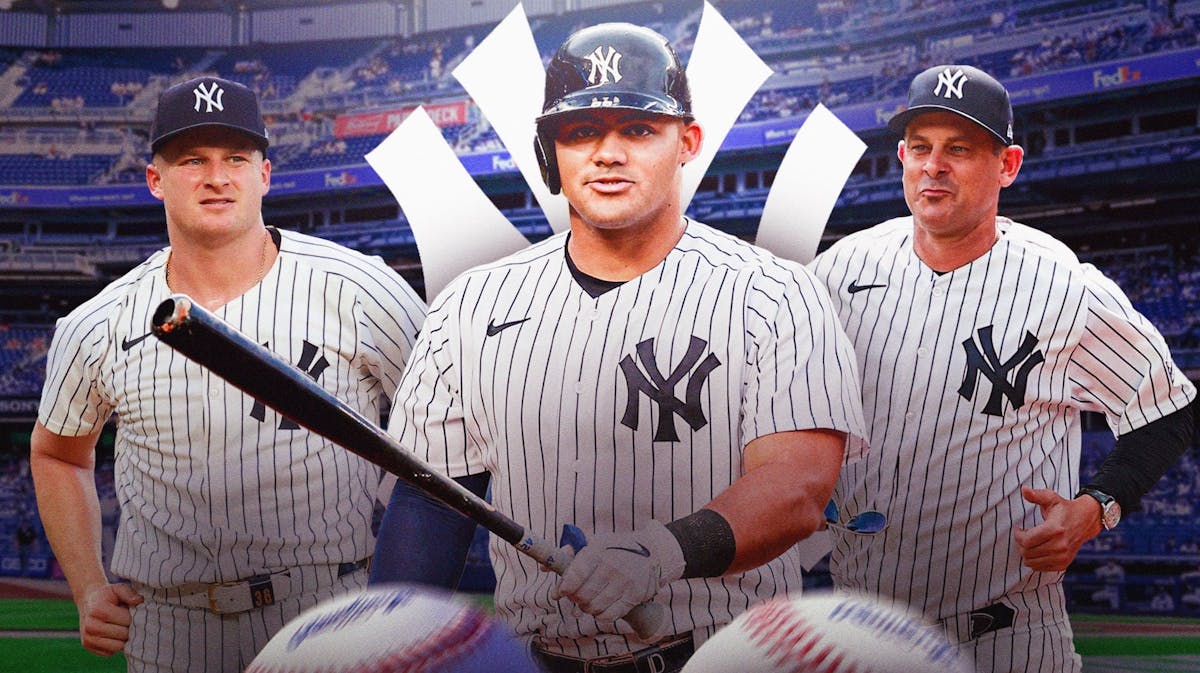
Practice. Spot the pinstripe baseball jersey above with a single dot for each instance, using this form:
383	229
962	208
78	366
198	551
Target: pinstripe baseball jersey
212	485
973	385
607	411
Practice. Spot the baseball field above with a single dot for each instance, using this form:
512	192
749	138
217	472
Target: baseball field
38	635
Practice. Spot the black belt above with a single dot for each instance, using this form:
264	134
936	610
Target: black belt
348	567
665	657
992	618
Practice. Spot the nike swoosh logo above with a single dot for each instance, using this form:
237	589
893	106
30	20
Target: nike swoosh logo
493	329
854	287
640	551
126	344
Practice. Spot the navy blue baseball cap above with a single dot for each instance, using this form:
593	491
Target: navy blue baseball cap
207	101
963	90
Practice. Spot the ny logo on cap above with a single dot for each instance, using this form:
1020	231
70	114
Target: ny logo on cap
207	97
603	65
953	81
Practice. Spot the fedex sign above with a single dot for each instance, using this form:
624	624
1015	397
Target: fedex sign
1122	75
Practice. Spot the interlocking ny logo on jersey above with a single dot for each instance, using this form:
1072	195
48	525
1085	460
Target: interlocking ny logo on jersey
982	359
953	81
314	369
604	64
203	96
661	389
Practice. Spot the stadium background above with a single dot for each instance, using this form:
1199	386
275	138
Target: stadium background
1106	95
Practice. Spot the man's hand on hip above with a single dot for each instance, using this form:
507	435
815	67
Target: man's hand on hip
104	618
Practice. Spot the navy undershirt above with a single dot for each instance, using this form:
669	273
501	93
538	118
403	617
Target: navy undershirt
592	285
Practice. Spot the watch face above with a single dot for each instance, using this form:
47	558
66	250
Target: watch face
1112	514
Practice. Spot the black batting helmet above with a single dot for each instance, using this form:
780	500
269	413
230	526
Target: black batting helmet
610	65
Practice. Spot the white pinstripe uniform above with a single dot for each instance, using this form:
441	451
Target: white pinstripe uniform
556	405
212	486
973	383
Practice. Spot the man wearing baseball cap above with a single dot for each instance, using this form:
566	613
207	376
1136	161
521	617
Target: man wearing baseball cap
208	102
233	519
980	341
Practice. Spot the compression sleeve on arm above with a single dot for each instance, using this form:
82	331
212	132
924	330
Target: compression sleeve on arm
423	541
1141	457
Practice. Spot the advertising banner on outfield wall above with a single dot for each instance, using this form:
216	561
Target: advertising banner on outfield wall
386	121
18	408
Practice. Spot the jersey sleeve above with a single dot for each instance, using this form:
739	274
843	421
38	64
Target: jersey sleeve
428	415
392	315
806	375
1121	366
73	403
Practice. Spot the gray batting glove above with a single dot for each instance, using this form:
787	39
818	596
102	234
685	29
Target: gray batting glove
618	571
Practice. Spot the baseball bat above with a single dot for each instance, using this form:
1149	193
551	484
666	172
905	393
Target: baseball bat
209	341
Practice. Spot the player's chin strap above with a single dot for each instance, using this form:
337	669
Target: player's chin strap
547	157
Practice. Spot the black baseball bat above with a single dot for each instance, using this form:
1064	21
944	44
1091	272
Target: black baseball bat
204	338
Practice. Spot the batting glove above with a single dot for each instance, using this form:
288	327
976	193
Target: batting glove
616	572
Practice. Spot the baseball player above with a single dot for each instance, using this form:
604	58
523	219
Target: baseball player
980	341
233	519
682	397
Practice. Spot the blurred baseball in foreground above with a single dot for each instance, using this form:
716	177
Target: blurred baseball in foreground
826	633
393	628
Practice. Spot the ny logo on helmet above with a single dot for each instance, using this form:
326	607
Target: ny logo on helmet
603	65
954	83
207	97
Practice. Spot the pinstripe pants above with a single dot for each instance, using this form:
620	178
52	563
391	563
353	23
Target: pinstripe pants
1038	649
1039	640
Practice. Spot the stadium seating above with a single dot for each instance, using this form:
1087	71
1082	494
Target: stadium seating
78	78
1038	37
23	358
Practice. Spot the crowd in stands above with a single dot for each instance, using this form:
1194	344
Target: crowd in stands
22	359
1161	281
20	529
826	53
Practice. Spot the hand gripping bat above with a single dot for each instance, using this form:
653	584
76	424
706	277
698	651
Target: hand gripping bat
206	339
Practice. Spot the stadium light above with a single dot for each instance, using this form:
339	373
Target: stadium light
169	4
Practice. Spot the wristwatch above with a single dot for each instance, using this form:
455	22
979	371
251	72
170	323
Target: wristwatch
1110	509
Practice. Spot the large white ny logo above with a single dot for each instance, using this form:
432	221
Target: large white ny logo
953	81
207	97
456	226
603	65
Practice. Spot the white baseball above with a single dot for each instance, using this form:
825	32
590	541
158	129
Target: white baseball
393	628
826	634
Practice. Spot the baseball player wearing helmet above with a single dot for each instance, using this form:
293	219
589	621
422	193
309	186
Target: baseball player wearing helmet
682	397
233	519
980	341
